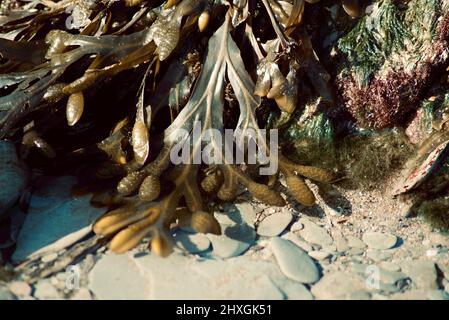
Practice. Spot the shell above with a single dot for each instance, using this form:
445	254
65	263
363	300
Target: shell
425	169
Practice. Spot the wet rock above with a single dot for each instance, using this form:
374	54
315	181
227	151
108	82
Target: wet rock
379	240
294	262
54	213
274	224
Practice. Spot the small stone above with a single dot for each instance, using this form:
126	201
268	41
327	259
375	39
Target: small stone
20	288
340	242
45	290
389	266
355	242
314	233
294	262
49	257
337	285
235	240
295	291
423	274
82	294
304	245
391	277
437	295
356	251
274	225
378	255
319	255
247	212
193	243
359	267
297	226
379	240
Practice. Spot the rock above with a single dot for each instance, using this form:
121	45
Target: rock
82	294
319	255
247	212
423	274
359	267
446	288
54	213
379	240
389	266
20	288
355	242
117	277
410	295
295	291
304	245
297	226
294	262
5	294
377	255
439	239
182	277
314	234
49	257
437	295
340	242
356	252
391	277
337	285
235	240
44	290
193	243
274	225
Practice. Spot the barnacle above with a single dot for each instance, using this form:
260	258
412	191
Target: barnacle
79	85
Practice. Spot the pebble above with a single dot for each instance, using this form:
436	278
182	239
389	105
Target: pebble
20	288
314	233
319	255
340	242
49	257
423	273
304	245
355	242
247	212
337	285
391	277
356	251
379	240
378	255
294	262
295	291
45	290
193	243
234	241
297	226
274	224
389	266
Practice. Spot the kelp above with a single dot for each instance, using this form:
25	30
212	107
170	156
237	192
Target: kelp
162	67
